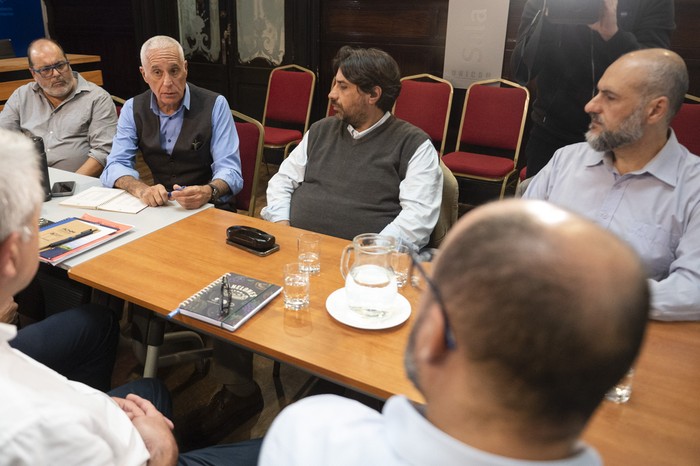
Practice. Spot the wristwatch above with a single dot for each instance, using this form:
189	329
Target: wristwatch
214	192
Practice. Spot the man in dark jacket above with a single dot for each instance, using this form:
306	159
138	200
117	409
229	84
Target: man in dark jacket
569	59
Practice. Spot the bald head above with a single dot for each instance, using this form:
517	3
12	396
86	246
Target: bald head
44	47
550	308
655	73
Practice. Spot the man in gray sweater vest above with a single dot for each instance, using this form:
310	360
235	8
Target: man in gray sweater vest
363	170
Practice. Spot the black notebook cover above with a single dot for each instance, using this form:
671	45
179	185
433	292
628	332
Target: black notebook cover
248	296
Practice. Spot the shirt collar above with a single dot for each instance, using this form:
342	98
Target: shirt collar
358	134
185	102
663	166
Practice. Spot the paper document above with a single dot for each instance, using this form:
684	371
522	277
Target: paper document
111	199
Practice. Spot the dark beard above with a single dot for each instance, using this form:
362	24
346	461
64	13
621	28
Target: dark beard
630	131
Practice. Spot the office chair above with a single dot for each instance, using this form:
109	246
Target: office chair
686	124
491	131
251	136
425	101
288	102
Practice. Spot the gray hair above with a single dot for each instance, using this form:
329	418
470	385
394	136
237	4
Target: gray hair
20	182
667	75
161	42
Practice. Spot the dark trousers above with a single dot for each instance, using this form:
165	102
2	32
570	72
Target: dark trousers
541	146
241	454
80	344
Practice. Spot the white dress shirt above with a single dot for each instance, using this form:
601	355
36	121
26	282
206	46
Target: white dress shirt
329	430
47	419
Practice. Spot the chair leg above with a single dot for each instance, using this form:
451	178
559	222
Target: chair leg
150	367
276	369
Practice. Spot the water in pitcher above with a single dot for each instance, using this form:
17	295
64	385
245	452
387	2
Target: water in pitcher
371	290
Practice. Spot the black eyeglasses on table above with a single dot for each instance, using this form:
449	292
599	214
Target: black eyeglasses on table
225	303
47	71
417	280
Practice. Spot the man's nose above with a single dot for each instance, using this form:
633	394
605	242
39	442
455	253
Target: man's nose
592	106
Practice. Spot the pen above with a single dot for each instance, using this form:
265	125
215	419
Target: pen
173	313
69	239
170	193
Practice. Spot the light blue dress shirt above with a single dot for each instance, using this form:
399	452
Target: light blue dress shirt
226	164
655	209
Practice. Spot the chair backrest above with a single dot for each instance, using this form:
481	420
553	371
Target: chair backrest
449	208
290	93
494	116
425	101
118	103
6	50
686	124
251	137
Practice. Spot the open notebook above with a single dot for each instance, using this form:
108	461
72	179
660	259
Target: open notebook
100	198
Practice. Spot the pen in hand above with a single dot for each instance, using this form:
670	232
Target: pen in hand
170	193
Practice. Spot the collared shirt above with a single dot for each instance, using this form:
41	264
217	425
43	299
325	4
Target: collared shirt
82	126
420	192
48	419
329	430
224	142
655	209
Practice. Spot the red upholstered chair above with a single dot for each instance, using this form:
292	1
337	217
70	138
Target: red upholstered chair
118	103
686	124
425	101
490	132
288	103
251	137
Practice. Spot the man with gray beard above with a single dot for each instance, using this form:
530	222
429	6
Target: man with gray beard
633	178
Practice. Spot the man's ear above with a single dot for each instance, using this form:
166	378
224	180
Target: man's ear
657	109
9	255
430	338
143	72
375	94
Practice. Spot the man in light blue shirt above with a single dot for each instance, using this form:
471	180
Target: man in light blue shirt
186	135
635	179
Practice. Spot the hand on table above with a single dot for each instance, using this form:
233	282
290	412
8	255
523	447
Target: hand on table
191	197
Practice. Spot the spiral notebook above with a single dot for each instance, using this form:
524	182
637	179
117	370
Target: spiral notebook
247	296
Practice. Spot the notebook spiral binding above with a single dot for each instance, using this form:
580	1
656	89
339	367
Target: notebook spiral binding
203	291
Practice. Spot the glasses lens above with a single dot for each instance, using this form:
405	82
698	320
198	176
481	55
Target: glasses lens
47	71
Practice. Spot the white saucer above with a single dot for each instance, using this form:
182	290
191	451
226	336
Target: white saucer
337	307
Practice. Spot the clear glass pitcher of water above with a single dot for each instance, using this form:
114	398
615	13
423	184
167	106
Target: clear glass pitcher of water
370	284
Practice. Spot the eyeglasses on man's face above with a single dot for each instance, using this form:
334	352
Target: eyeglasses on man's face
419	279
47	71
226	295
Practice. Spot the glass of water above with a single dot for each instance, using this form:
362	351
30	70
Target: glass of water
401	263
296	287
622	390
309	247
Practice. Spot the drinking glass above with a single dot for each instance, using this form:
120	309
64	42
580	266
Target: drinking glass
296	287
309	245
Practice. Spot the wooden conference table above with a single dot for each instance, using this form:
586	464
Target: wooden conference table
659	425
164	268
